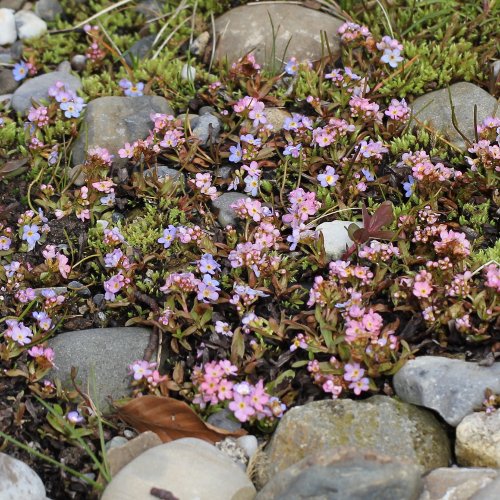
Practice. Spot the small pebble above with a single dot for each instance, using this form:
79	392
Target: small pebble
8	33
188	73
249	444
29	25
78	62
116	442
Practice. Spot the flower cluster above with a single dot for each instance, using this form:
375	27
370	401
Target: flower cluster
246	401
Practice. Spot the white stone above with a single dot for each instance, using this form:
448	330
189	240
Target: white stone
29	25
478	440
190	469
249	443
336	238
8	33
19	481
188	73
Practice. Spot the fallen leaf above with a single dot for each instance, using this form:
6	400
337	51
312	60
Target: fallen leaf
171	419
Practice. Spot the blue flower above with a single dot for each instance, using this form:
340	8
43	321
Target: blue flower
236	153
20	71
368	175
409	186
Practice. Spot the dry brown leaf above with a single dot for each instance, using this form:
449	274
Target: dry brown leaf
171	419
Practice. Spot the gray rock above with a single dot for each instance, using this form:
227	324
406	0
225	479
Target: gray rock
378	424
188	73
64	67
37	88
48	9
162	172
58	290
116	442
7	82
200	44
112	121
102	356
434	108
79	288
193	119
8	32
149	8
6	98
139	50
29	25
248	29
224	419
453	483
19	481
336	237
227	215
346	474
78	62
478	440
188	468
452	387
207	129
206	110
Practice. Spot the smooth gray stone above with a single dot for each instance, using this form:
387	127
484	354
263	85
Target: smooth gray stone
227	215
7	82
48	9
452	387
102	356
139	50
112	121
207	129
37	88
18	481
434	109
297	29
224	420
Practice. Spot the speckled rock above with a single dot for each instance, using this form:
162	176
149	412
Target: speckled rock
478	440
434	108
248	29
346	474
107	352
37	88
112	121
452	387
188	468
18	481
378	424
227	215
454	483
335	237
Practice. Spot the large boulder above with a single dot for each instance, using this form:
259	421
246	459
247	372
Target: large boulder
38	88
188	468
378	424
346	474
452	387
435	109
102	356
297	32
112	121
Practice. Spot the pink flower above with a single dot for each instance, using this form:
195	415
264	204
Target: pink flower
141	369
113	286
353	372
18	332
422	289
360	386
64	267
225	390
241	407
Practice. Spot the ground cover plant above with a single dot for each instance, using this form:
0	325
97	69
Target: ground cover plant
253	317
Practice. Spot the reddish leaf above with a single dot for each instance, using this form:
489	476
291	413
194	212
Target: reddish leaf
11	166
171	419
382	216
